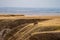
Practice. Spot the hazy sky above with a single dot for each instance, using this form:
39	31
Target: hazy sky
30	3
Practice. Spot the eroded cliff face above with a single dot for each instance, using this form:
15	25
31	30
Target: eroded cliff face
11	25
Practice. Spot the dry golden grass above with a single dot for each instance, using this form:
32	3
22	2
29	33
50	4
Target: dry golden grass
26	17
52	22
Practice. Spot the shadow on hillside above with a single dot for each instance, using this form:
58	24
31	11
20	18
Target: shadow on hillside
6	23
46	36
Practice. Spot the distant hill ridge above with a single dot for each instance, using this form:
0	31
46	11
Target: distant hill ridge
5	15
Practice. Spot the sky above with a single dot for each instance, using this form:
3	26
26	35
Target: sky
30	3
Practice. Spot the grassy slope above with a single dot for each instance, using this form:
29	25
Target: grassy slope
53	22
12	22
